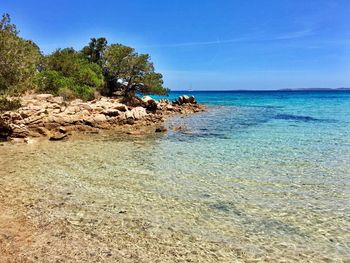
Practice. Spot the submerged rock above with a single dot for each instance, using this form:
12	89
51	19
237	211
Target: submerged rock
161	129
58	136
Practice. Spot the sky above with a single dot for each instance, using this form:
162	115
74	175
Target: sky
206	44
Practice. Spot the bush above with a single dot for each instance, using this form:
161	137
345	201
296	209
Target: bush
84	92
51	81
68	74
7	104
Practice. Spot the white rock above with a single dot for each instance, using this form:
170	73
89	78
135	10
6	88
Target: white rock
139	112
99	118
129	115
44	96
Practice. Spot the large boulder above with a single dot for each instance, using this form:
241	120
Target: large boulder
192	100
120	107
99	118
58	136
150	103
185	99
138	113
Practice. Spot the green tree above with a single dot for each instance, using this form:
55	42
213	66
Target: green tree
130	73
94	50
19	59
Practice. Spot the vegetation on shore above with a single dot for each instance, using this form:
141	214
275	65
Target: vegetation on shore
99	68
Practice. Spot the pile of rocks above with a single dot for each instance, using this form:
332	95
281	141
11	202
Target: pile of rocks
53	117
185	99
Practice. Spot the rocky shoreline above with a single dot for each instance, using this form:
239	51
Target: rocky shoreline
46	116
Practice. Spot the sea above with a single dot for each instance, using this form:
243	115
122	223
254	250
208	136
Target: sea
260	176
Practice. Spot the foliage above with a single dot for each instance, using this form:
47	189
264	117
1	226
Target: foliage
19	59
7	104
94	51
97	67
130	72
68	73
52	81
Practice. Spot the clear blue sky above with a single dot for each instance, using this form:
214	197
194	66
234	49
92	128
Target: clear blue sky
207	44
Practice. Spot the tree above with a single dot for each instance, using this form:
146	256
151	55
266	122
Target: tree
19	59
130	73
94	51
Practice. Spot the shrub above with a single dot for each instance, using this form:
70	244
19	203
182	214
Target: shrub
51	81
84	92
7	104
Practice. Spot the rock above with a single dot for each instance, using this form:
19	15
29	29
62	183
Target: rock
32	133
56	100
130	121
192	100
17	140
19	131
43	131
25	114
180	100
99	118
147	99
185	99
161	129
139	113
136	133
15	116
120	107
72	110
178	128
129	115
111	112
150	103
58	136
76	102
170	107
43	97
62	129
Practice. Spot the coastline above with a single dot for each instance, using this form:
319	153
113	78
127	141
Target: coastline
53	118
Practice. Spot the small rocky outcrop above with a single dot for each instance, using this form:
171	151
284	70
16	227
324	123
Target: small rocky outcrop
185	100
43	115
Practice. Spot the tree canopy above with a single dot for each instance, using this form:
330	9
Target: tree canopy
130	72
19	58
98	67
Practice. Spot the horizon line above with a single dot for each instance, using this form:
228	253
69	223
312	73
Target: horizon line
263	90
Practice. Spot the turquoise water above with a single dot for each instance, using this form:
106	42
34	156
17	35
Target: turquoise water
280	161
260	176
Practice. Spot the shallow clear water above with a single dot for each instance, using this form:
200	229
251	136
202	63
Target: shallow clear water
265	174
